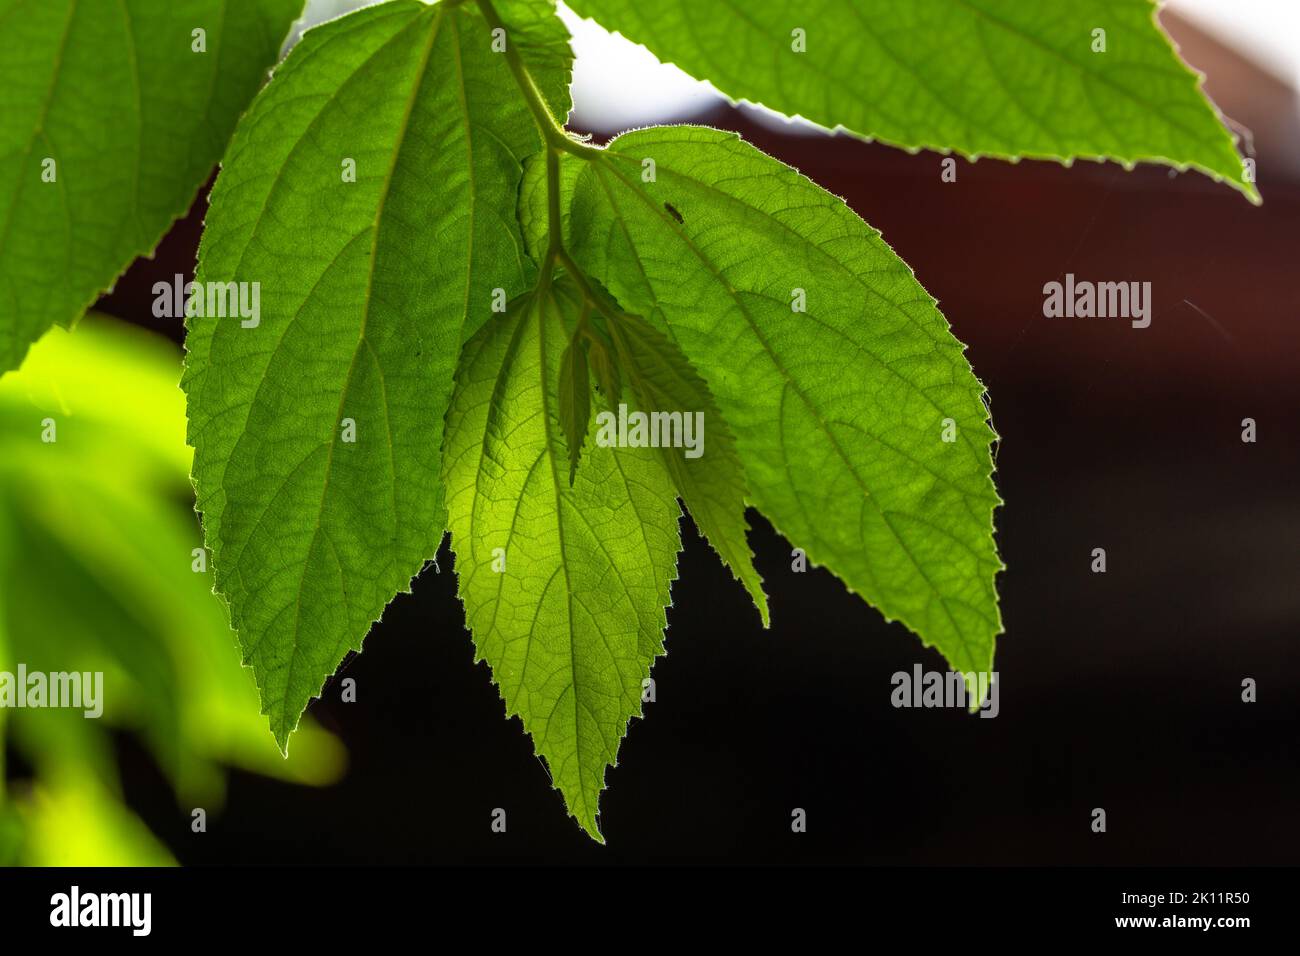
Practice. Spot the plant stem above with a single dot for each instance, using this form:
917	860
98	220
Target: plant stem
555	224
553	135
555	140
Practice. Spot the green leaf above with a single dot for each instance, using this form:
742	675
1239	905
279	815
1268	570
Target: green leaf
132	120
712	482
564	585
367	291
574	400
1004	78
839	411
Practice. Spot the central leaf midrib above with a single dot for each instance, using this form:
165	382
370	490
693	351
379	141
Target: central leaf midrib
544	368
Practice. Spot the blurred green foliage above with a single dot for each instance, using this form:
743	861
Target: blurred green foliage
97	573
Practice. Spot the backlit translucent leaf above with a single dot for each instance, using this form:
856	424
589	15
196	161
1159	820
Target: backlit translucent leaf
564	585
367	290
1003	78
840	411
133	120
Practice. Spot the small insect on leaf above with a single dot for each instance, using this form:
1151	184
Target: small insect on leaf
672	210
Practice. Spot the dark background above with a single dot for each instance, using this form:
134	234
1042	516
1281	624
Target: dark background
1119	690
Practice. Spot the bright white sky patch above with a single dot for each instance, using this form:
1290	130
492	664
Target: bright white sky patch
1267	31
618	84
